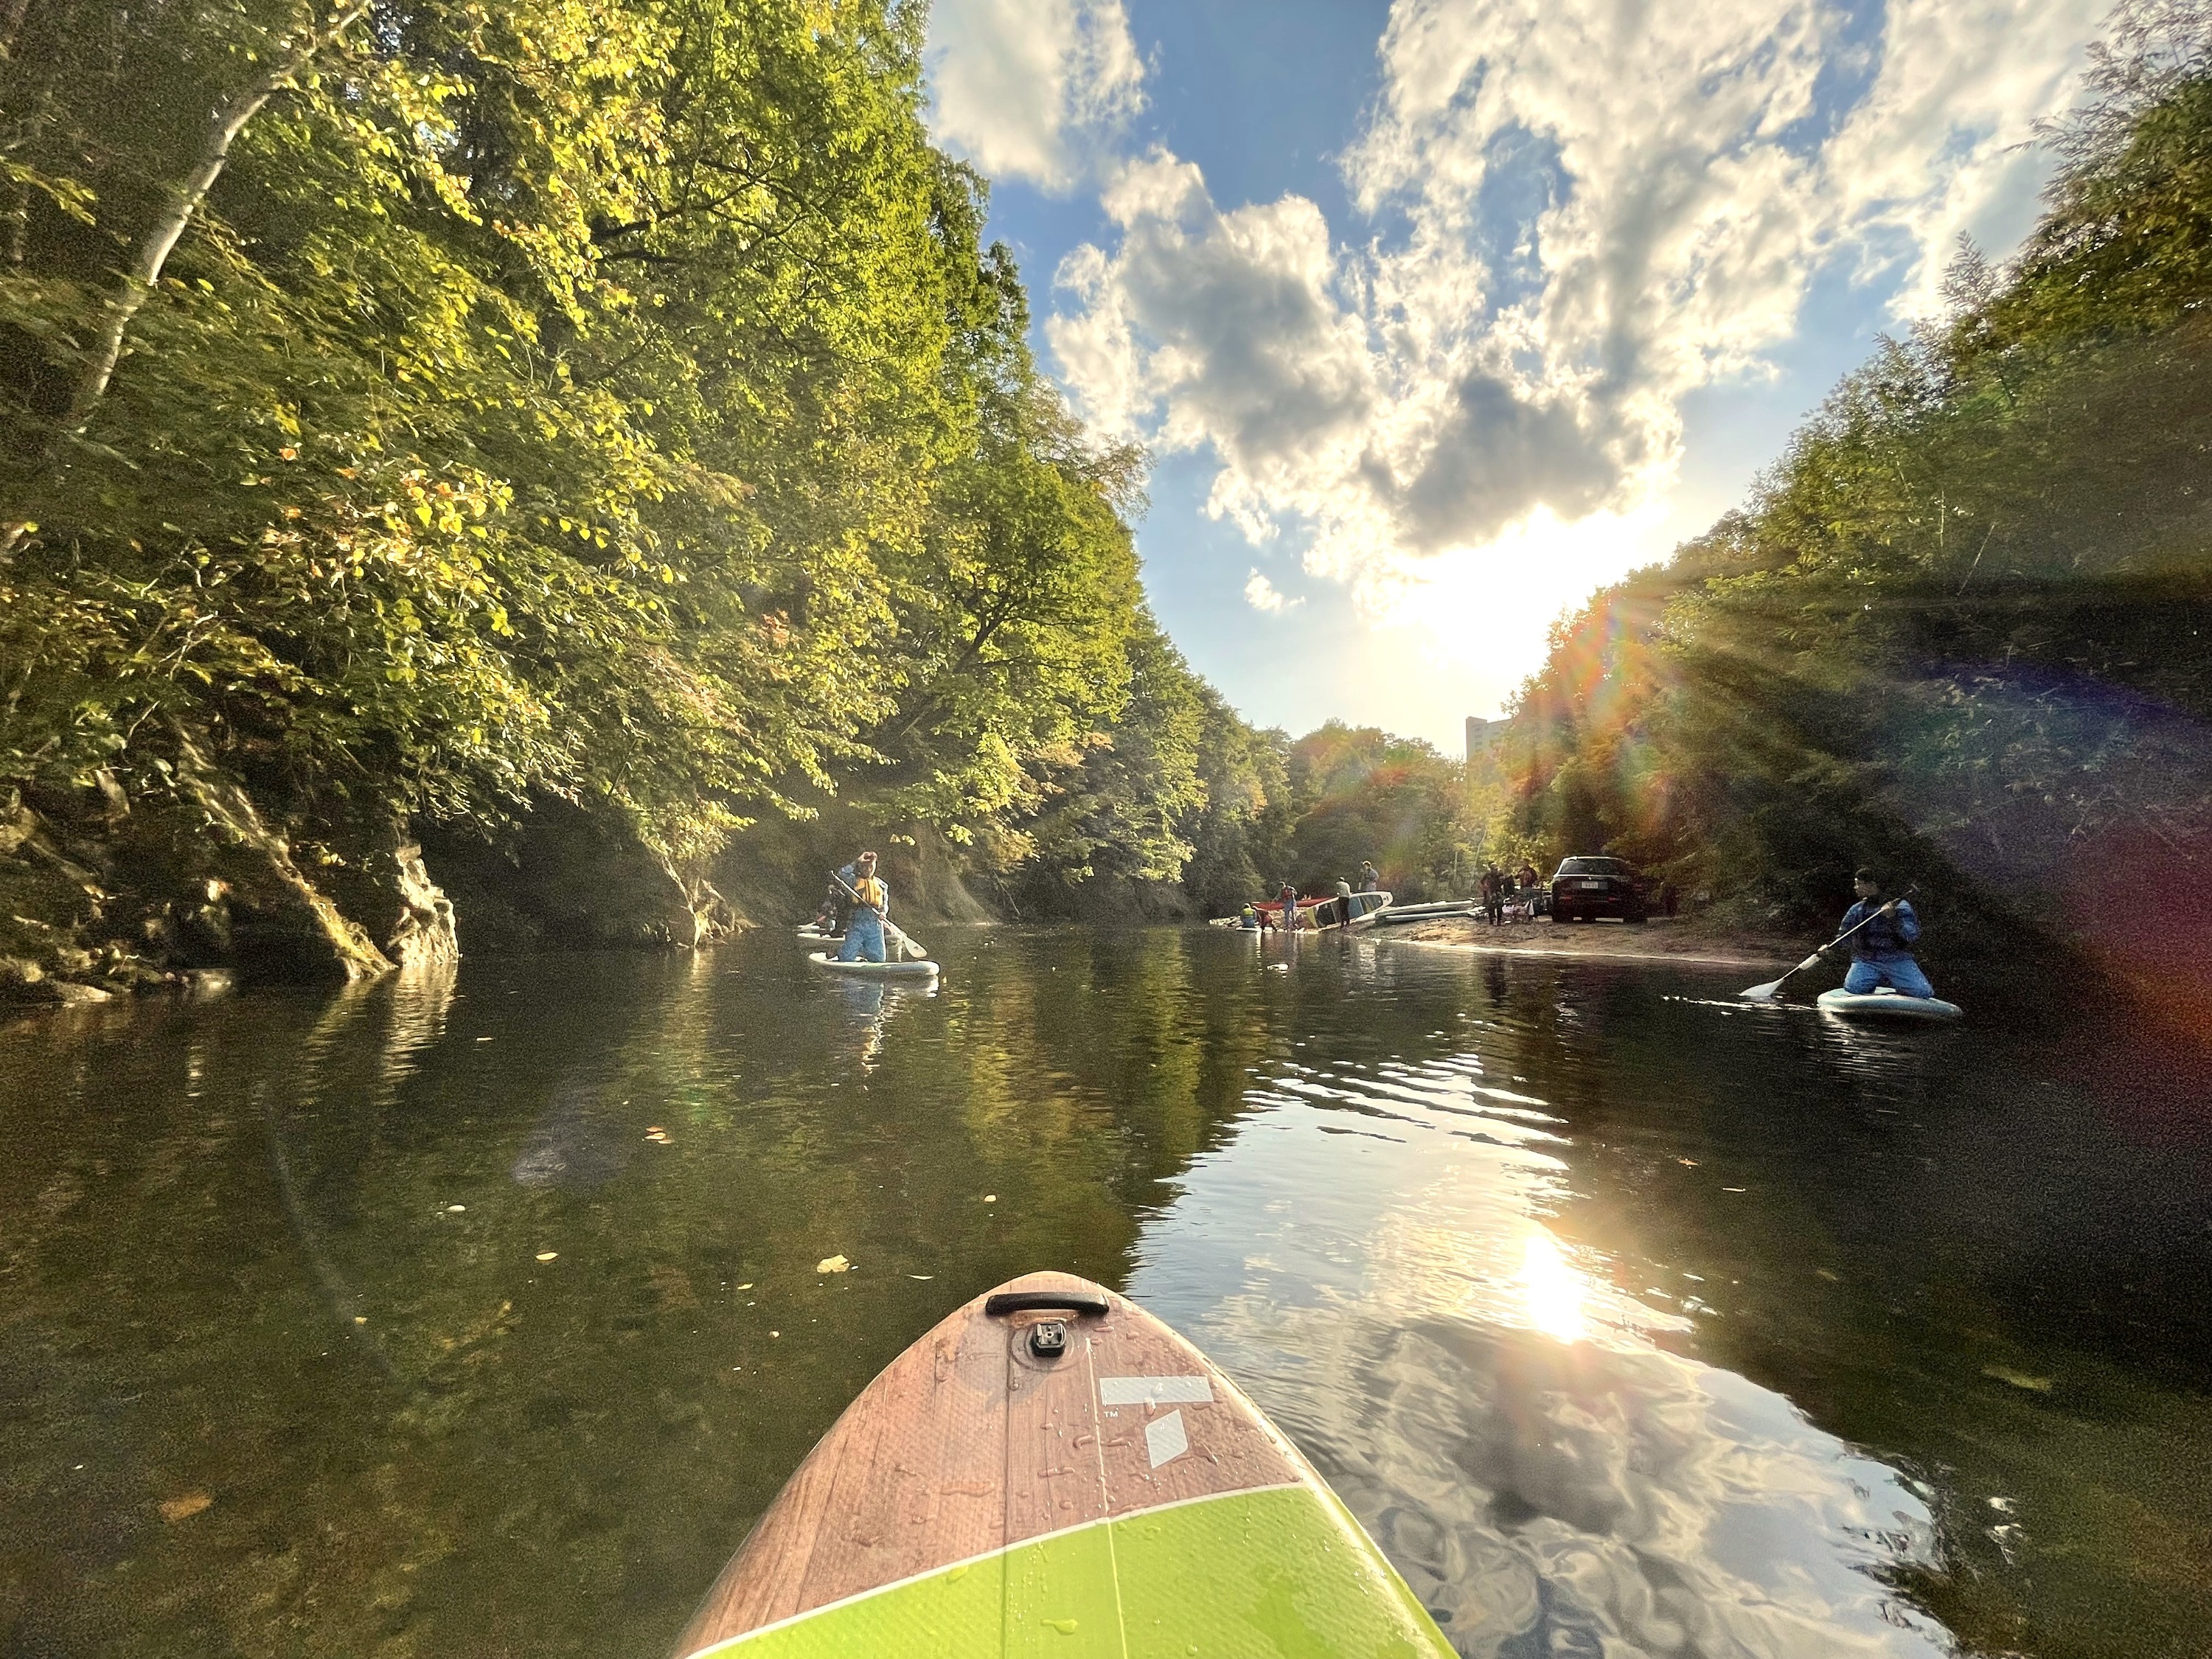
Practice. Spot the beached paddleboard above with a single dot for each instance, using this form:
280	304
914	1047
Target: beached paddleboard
1888	1005
876	970
1052	1471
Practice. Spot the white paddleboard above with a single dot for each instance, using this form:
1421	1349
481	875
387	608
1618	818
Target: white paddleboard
876	970
1886	1004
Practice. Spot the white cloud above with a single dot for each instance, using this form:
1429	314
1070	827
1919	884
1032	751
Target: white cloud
1025	88
1263	595
1579	213
1937	149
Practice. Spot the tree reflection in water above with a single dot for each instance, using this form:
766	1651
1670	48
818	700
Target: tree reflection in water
483	1311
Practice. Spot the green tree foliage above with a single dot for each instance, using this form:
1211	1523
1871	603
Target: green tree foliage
603	399
1960	627
1239	839
1121	811
1360	794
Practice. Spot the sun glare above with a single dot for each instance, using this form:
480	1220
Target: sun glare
1553	1290
1493	606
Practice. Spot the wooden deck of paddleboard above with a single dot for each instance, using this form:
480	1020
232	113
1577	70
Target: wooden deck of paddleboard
971	1450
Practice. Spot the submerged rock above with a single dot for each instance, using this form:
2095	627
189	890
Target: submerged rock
571	1145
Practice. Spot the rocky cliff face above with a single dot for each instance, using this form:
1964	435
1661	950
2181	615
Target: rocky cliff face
103	893
566	879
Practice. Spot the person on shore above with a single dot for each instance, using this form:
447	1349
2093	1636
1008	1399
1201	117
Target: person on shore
1370	878
871	907
1251	919
1531	888
1288	898
1881	950
1493	895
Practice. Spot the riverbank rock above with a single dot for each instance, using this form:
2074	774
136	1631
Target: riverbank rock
24	983
106	893
377	874
425	932
279	924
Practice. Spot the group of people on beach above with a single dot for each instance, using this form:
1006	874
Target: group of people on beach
1495	887
1336	912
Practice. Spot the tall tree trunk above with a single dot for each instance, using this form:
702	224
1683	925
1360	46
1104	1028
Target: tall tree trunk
183	201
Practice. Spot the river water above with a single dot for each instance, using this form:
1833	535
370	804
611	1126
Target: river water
480	1316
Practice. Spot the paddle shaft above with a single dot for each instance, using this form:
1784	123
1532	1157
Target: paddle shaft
905	939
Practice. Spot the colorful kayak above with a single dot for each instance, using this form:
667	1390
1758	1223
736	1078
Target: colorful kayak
1052	1471
876	970
1887	1004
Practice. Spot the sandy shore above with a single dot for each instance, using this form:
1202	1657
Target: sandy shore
1661	938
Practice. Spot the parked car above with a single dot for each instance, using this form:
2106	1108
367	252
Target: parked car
1587	888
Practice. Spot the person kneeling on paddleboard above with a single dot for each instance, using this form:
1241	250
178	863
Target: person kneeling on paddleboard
1881	950
872	903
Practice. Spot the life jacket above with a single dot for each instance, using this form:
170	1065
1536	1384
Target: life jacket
870	892
1893	935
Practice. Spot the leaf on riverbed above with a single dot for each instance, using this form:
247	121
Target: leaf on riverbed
2018	1379
547	1255
174	1509
833	1264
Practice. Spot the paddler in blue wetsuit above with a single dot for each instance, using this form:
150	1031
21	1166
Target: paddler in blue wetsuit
872	903
1882	951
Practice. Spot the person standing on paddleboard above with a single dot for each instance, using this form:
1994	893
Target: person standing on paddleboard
1881	950
871	903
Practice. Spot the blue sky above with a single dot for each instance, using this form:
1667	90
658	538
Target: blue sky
1436	315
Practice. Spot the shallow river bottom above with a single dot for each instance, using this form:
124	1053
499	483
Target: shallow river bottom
480	1314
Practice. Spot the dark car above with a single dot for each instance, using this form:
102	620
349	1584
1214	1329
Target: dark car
1587	888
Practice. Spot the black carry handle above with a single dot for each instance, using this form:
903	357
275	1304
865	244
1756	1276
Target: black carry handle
1000	1303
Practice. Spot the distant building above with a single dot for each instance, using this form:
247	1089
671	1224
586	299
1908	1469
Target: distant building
1481	734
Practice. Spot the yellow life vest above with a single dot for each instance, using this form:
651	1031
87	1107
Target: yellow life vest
870	892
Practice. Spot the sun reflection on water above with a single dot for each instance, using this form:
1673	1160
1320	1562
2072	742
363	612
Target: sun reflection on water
1553	1290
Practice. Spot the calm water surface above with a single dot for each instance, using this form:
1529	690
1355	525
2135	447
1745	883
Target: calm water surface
480	1316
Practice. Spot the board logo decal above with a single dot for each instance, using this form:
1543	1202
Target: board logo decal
1164	1439
1155	1391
